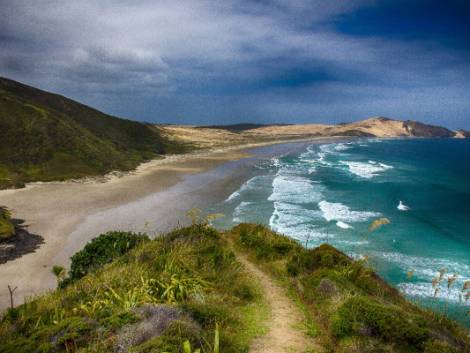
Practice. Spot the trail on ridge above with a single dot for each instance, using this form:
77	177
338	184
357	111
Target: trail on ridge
284	334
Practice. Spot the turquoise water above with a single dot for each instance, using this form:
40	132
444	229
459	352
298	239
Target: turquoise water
332	192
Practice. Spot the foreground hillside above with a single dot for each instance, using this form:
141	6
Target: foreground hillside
44	136
197	288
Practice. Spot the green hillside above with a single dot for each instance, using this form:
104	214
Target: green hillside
44	136
198	287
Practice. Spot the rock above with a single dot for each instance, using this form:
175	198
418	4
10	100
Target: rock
155	320
327	288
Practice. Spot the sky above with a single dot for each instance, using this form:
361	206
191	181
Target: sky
220	62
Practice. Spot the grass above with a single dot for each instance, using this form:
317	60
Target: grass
46	137
181	291
191	274
7	228
347	306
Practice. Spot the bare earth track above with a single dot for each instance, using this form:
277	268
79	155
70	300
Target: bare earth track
283	333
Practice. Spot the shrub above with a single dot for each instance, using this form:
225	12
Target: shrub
265	243
359	315
325	256
102	250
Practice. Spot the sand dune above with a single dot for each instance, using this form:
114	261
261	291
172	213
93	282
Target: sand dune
206	137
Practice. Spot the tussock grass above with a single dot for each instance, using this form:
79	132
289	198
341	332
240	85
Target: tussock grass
191	271
349	307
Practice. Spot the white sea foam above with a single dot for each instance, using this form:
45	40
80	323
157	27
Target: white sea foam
342	147
402	207
366	170
275	162
296	221
253	183
343	225
426	290
339	212
425	267
350	242
312	170
240	212
294	189
233	196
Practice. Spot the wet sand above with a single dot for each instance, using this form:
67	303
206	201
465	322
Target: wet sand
154	199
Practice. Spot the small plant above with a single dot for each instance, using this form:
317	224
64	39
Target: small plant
215	347
194	214
7	228
59	272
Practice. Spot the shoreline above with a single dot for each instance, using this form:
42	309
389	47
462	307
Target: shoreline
55	210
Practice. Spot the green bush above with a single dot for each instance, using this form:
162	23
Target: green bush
364	316
265	243
325	256
7	229
102	250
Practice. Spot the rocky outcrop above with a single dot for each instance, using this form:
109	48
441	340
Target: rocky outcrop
462	134
417	129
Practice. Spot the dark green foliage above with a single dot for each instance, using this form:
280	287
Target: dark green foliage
265	243
362	315
119	319
102	250
44	136
325	256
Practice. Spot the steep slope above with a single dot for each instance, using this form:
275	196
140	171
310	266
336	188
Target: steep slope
415	128
44	136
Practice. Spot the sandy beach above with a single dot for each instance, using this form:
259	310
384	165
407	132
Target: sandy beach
153	198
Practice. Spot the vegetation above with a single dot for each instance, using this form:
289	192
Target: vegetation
44	136
7	228
102	250
186	292
353	308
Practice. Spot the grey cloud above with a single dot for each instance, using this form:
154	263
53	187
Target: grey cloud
204	60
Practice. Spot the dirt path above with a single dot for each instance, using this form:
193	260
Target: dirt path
284	334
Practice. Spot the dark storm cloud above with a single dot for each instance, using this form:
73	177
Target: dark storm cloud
201	61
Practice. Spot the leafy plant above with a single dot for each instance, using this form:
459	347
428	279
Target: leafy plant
215	347
102	250
59	272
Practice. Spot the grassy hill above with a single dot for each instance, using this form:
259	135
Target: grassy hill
44	136
189	287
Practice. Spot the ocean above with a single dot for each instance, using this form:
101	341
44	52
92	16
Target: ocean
332	192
